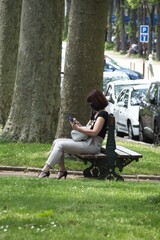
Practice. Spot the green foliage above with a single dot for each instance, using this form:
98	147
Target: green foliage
78	209
138	3
109	46
134	3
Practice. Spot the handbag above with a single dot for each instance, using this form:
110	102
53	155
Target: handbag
78	136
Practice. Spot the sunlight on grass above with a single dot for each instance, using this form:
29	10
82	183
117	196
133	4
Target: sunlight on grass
78	209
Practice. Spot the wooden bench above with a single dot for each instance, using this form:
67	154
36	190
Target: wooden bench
111	158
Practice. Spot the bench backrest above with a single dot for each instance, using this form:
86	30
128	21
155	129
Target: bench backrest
111	143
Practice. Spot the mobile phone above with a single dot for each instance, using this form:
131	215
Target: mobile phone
70	118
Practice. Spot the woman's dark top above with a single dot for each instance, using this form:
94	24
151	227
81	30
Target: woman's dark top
103	131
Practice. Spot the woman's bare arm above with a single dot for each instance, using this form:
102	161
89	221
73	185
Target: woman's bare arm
91	132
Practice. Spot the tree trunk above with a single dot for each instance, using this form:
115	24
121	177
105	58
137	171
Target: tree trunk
158	33
84	60
109	23
122	28
35	106
10	12
151	27
140	21
117	45
133	27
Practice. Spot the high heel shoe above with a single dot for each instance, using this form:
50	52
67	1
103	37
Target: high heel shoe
62	174
43	174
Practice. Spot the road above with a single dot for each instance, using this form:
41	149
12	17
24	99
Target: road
135	63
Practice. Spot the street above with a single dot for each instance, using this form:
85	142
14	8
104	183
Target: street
134	63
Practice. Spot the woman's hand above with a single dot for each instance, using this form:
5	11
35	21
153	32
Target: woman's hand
75	126
75	122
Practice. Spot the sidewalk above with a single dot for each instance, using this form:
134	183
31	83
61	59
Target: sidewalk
8	171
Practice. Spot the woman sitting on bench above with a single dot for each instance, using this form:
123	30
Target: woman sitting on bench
92	145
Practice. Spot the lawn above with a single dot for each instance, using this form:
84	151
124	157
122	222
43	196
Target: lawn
32	208
35	155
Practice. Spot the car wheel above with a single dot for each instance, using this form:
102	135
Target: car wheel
156	138
119	134
130	131
142	137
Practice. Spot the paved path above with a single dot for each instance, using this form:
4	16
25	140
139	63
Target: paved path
32	172
6	171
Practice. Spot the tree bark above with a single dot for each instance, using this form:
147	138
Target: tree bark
117	44
140	22
10	12
109	23
84	59
133	27
122	28
151	27
35	106
158	33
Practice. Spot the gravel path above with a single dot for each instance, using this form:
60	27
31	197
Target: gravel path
6	171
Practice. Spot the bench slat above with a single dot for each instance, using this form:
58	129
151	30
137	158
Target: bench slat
88	156
129	152
121	152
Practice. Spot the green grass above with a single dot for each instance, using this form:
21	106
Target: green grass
29	155
78	209
32	208
35	155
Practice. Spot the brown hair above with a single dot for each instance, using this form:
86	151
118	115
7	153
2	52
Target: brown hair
97	98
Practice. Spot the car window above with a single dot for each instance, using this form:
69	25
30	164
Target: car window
108	66
109	59
153	92
109	91
126	96
137	95
121	96
118	89
115	66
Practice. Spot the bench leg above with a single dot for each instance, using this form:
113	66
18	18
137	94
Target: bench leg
110	174
101	169
96	168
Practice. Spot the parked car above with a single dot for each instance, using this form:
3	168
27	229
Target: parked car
149	115
126	111
114	88
113	76
110	65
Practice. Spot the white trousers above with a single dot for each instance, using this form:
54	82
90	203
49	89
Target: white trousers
67	145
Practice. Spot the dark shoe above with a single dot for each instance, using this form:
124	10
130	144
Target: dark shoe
62	174
43	174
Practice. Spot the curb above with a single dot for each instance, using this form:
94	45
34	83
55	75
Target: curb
79	173
31	169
